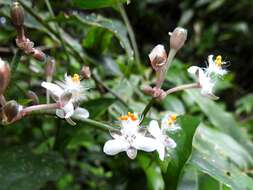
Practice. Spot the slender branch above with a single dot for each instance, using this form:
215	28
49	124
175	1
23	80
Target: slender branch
15	61
30	109
170	91
182	87
130	32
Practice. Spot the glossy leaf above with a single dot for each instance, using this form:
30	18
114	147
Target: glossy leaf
173	167
95	4
20	169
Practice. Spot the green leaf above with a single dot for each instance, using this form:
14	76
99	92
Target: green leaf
221	119
222	158
172	168
95	4
152	171
97	107
20	169
114	26
172	103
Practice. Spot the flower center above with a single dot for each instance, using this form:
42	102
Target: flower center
76	78
218	61
172	119
130	116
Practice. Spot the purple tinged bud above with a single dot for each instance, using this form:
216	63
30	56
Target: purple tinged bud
17	14
4	75
50	67
11	111
178	38
85	72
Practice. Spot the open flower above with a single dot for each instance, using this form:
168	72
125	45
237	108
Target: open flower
205	81
68	93
169	122
158	57
129	139
215	66
163	141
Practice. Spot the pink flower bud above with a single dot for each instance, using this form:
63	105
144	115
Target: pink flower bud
4	76
158	57
178	38
85	72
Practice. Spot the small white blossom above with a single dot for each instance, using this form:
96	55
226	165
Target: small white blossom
129	139
205	81
215	66
69	93
163	141
169	122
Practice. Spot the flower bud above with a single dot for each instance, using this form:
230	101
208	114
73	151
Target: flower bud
85	72
50	67
11	111
17	14
4	76
178	38
158	57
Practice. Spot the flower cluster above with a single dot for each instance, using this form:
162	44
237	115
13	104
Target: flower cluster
68	93
133	137
207	77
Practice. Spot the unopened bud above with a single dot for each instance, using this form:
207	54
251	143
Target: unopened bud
148	90
4	76
85	72
158	57
33	96
178	38
11	111
17	14
50	67
39	55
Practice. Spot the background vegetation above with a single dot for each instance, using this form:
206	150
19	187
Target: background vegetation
44	152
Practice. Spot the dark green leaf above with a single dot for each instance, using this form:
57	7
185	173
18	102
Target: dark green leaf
95	4
20	169
173	167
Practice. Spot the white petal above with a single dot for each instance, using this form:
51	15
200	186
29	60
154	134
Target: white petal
154	129
193	69
210	59
115	146
161	151
145	143
68	109
53	88
131	153
169	142
60	113
157	51
81	113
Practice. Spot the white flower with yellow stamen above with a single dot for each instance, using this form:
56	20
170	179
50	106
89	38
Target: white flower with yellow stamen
169	122
129	139
163	141
69	93
215	66
205	81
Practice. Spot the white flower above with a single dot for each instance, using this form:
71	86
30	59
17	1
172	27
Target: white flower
162	140
158	57
204	80
169	122
129	139
68	93
215	66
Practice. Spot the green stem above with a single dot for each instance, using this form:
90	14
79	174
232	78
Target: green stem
130	32
147	108
15	61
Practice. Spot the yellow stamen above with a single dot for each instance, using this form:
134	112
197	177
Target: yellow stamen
129	115
218	61
172	119
76	78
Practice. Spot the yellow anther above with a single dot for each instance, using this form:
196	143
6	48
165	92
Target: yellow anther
172	119
123	118
129	115
218	60
76	78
